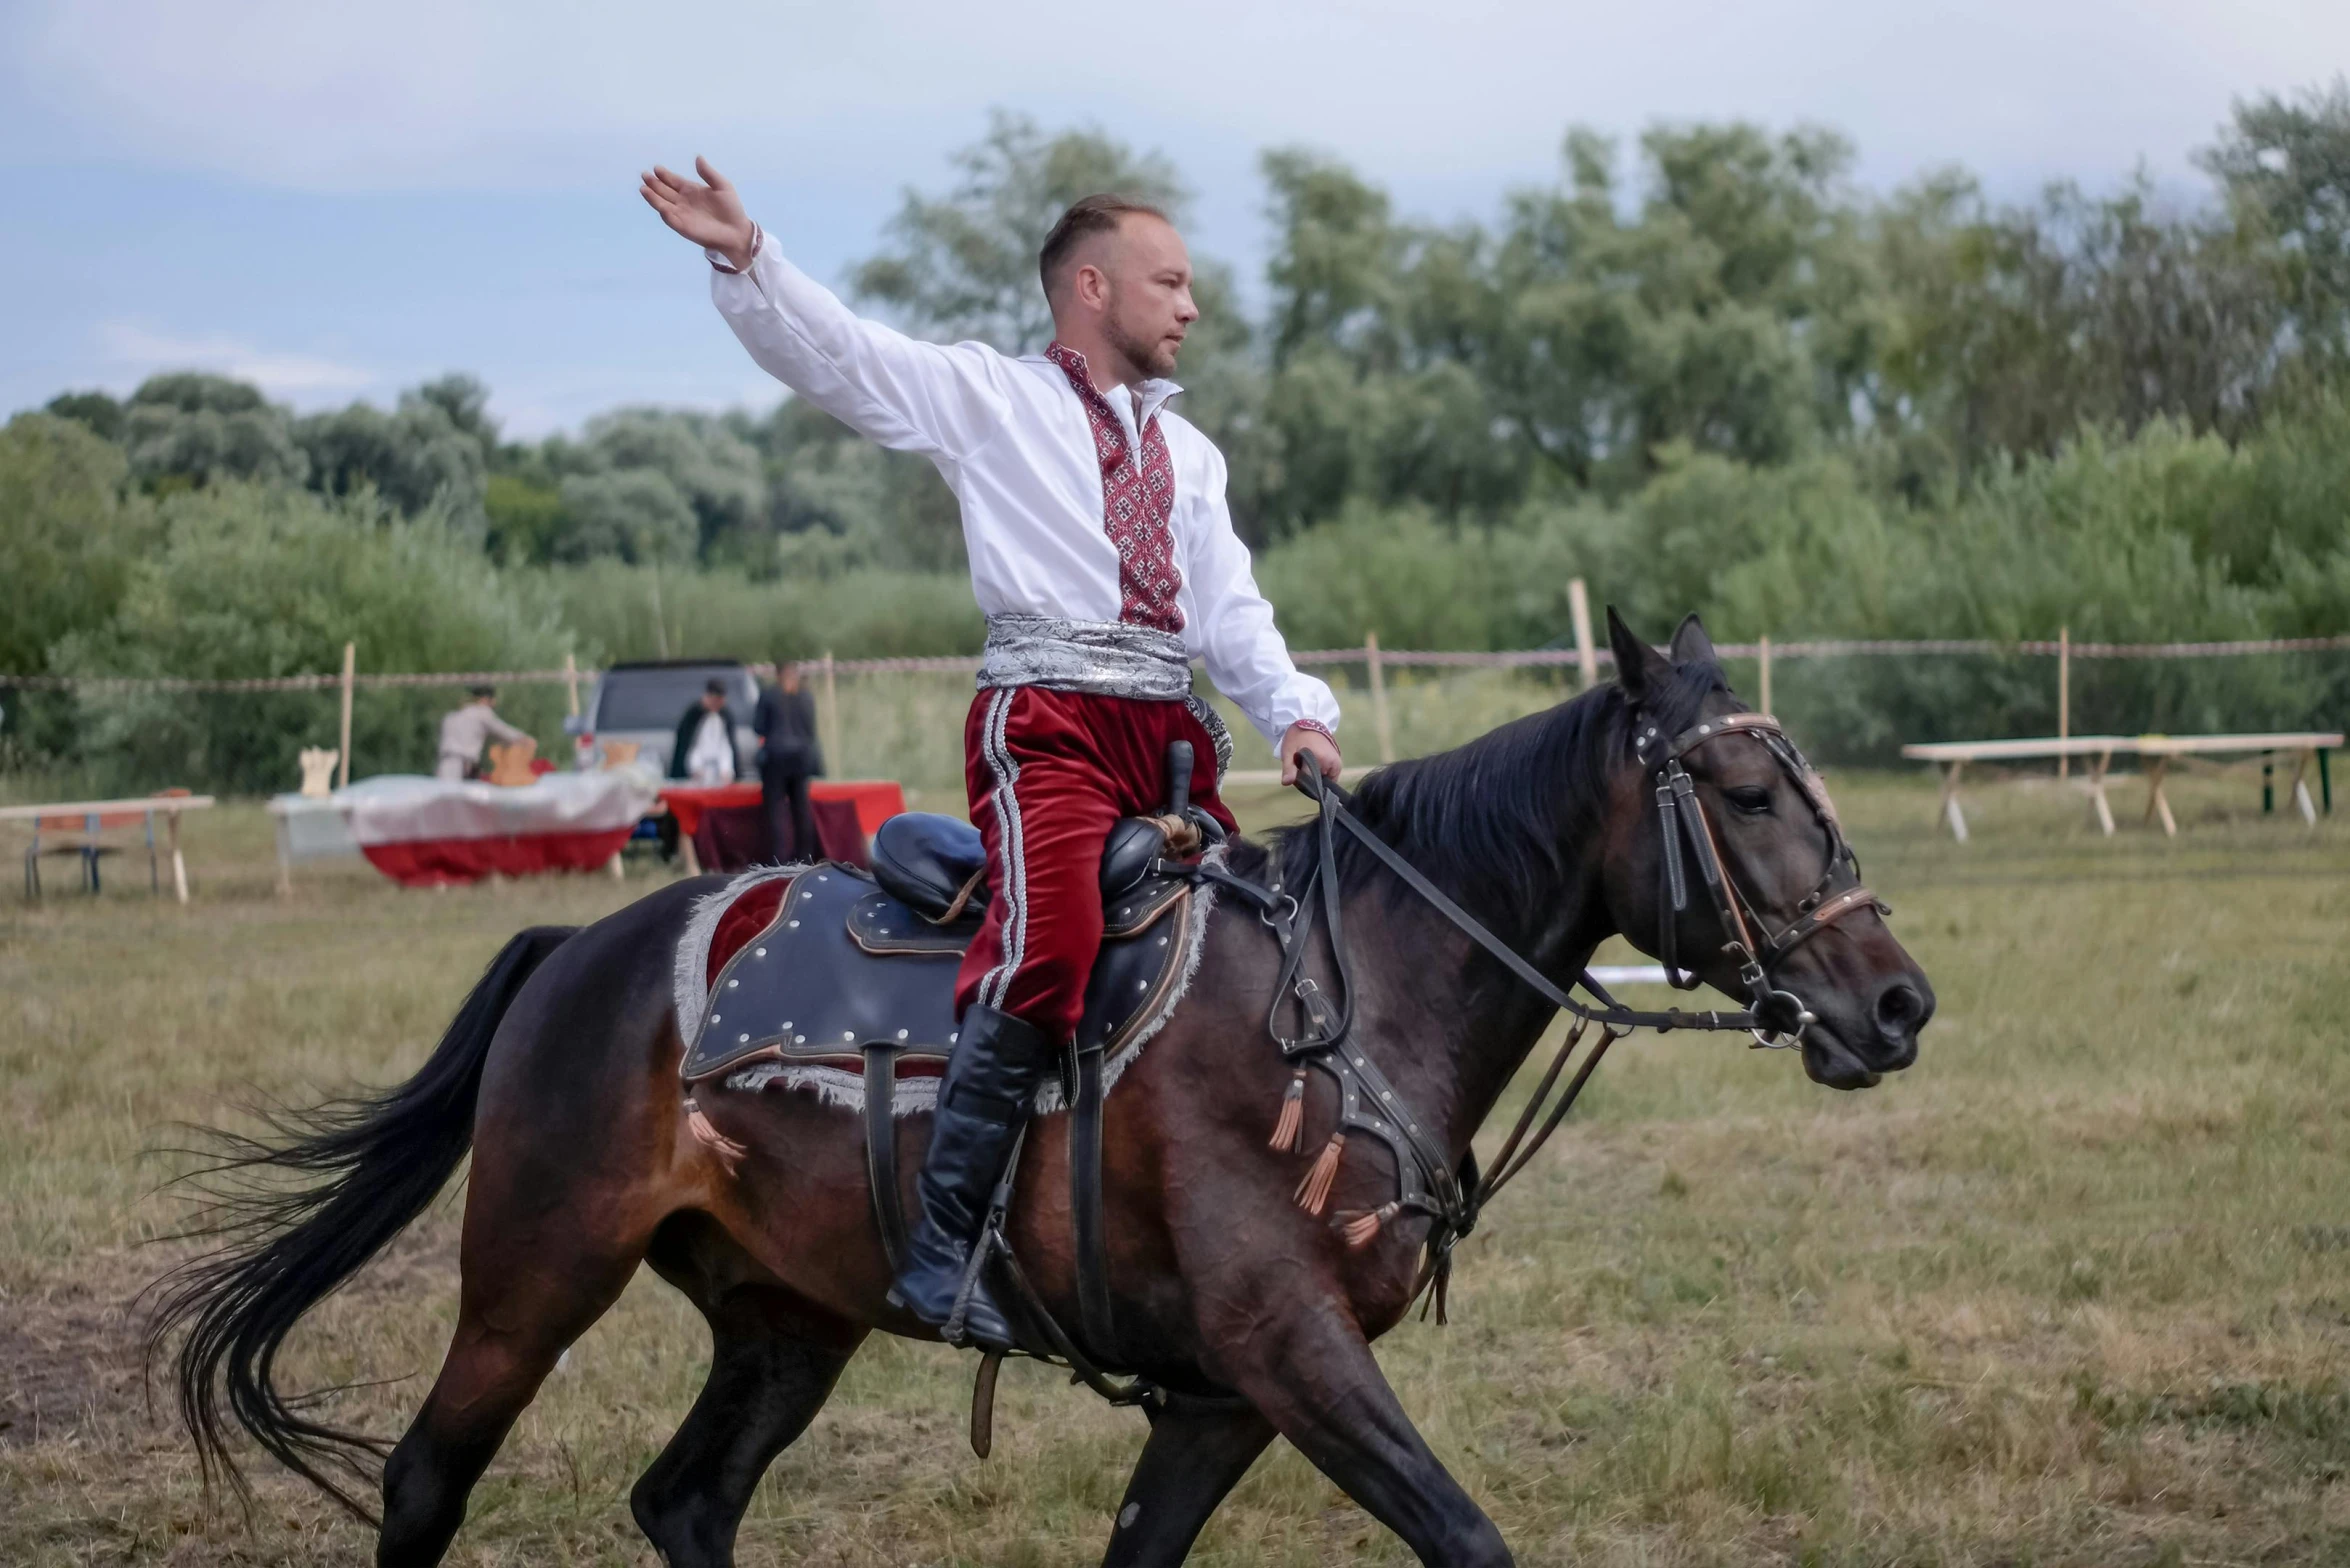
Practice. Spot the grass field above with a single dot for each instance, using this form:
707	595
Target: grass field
2074	1290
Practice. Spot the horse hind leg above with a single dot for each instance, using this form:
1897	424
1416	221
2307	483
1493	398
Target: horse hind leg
524	1300
1190	1462
773	1362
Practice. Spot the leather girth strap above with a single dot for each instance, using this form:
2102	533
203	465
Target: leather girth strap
1085	1207
881	1152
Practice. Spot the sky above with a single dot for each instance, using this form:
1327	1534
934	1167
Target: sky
337	201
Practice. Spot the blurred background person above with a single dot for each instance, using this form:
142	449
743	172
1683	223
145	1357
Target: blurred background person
789	756
704	751
467	730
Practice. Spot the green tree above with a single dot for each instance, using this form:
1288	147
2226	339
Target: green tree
636	514
68	535
715	471
97	410
416	457
2284	165
187	428
272	580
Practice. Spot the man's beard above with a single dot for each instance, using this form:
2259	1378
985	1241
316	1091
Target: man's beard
1151	357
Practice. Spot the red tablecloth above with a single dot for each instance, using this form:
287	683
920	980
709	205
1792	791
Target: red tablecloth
429	862
876	800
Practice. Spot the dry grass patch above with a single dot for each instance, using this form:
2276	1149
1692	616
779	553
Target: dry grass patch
2075	1290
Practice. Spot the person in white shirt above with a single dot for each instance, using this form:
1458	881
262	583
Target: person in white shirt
1103	555
466	730
704	751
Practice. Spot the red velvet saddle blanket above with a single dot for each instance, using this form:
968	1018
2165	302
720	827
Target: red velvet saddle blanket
745	918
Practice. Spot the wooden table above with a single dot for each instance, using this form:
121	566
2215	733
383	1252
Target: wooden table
2160	750
2100	750
92	819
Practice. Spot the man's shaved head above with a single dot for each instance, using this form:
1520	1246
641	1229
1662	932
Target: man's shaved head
1118	280
1087	217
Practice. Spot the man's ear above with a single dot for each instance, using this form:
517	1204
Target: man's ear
1691	645
1640	669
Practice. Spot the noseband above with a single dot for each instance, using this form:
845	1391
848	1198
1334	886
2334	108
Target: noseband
1779	1014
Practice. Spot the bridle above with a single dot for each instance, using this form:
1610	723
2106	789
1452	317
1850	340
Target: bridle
1780	1016
1369	1104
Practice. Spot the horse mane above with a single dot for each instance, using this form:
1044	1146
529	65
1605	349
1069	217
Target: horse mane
1494	821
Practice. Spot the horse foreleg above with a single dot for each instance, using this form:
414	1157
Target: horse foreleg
1187	1466
1313	1376
773	1363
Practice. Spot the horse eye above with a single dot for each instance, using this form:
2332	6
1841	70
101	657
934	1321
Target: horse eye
1749	798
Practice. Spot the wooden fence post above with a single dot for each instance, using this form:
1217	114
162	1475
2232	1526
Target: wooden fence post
1379	722
1766	675
829	720
571	680
1579	609
350	668
2064	695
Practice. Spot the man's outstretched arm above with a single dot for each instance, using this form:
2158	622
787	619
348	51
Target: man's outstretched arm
913	396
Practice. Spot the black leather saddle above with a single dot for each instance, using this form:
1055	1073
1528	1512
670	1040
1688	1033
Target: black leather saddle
851	963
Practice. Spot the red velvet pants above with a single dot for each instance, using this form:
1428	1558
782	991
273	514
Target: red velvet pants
1049	773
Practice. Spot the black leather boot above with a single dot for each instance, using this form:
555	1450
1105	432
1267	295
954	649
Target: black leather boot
983	1102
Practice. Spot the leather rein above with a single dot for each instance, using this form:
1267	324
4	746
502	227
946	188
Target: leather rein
1369	1103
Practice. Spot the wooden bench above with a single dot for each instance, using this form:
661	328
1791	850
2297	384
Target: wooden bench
80	827
2100	750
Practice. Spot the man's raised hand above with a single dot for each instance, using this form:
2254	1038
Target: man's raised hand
708	211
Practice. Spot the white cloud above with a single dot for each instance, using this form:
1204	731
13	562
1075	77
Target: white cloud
137	351
432	92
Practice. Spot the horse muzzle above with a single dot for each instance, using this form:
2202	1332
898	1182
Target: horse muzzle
1853	1048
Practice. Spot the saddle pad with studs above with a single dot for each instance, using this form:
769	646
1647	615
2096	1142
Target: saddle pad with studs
841	965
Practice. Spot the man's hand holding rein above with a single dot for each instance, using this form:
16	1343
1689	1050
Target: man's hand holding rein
1308	740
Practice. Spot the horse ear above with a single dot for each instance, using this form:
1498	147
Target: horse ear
1690	643
1640	669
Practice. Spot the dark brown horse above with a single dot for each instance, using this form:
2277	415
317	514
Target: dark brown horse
561	1075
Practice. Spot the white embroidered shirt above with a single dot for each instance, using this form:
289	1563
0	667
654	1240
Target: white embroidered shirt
1015	444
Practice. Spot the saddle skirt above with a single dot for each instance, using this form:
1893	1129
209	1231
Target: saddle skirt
793	977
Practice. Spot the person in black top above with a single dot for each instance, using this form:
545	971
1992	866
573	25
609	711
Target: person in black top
785	722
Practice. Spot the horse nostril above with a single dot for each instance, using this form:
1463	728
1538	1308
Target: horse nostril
1901	1008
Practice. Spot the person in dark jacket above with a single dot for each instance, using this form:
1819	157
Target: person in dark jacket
785	722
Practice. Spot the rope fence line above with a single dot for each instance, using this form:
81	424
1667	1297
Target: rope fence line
1391	657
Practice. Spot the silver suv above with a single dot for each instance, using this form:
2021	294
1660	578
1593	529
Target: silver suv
643	703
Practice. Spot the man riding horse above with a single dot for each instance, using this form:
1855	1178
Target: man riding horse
1104	557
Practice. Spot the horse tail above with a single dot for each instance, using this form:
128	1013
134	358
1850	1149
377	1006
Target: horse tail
300	1213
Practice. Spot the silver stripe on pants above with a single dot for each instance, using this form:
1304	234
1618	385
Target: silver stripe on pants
996	984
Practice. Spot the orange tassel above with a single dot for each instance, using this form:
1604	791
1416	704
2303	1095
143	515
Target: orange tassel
1290	1129
1314	1191
728	1152
1364	1228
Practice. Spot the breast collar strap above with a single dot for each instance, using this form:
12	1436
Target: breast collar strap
1779	1014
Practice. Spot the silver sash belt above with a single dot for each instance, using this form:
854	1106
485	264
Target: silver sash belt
1104	658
